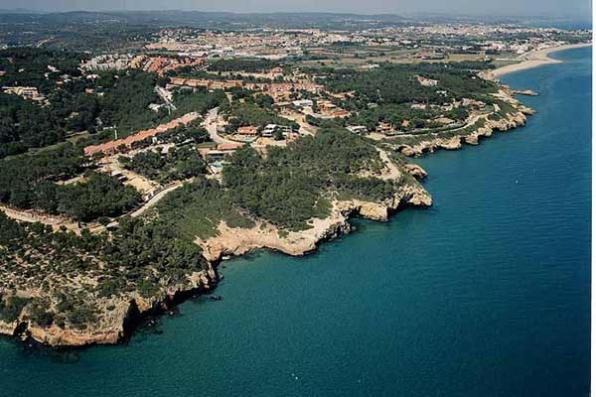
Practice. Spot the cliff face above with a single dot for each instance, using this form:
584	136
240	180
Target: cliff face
431	142
114	315
236	241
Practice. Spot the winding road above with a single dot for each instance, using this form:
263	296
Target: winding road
211	124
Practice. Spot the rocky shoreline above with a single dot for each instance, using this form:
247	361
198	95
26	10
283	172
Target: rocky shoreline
231	242
121	315
127	312
456	140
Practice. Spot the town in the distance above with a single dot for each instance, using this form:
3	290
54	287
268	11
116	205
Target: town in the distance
138	150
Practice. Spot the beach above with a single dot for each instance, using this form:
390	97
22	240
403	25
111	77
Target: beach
532	59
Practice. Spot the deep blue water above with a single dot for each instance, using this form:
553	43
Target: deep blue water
485	294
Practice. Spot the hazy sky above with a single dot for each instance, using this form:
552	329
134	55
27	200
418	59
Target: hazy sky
579	8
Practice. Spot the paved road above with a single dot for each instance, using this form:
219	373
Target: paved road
210	125
155	199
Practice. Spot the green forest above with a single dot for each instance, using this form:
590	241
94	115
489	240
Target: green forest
249	113
250	65
294	184
76	103
177	164
29	181
288	187
144	256
385	94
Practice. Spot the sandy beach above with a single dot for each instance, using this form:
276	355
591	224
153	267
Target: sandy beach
532	59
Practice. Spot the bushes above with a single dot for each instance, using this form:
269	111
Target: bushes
39	312
395	88
28	66
251	65
291	185
81	314
177	164
29	182
140	251
243	114
25	124
397	84
199	100
147	289
21	176
99	196
138	243
11	308
197	208
125	104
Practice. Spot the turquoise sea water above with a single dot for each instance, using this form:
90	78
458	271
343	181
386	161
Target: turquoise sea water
485	294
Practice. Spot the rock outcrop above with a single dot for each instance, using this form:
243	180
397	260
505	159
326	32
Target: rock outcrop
236	241
432	142
117	315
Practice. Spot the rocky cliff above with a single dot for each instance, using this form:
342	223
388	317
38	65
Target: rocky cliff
116	315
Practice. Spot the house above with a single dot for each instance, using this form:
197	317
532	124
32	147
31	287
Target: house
326	106
338	113
229	146
269	130
384	128
220	152
126	143
303	103
472	103
276	72
25	92
357	129
214	155
249	130
444	120
119	175
155	107
426	82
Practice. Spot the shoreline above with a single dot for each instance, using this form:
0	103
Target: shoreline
130	310
532	59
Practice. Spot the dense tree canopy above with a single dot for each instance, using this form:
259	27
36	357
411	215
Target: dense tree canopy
177	164
29	181
292	185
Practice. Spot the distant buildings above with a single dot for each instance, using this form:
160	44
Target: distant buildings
426	82
303	103
247	130
30	93
357	129
271	129
116	145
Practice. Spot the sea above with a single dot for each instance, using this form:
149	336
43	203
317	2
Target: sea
487	293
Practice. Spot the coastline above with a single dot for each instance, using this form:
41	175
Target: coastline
489	274
118	325
532	59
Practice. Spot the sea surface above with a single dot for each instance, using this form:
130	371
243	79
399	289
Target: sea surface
484	294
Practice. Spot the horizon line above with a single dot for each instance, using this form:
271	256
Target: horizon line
323	12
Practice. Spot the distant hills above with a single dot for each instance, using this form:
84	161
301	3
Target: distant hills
209	19
231	20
